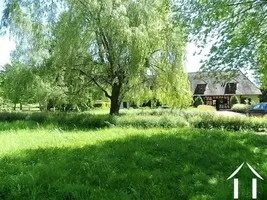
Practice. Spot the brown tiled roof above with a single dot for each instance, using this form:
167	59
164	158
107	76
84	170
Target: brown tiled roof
217	86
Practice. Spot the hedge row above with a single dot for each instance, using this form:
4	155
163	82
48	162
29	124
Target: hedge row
68	120
230	123
241	108
155	118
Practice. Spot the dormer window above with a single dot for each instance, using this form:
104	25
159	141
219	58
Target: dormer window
230	88
200	89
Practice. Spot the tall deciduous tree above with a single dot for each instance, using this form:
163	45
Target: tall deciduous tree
17	84
125	48
21	84
237	29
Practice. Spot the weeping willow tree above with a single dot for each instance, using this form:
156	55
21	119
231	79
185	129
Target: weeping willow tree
129	50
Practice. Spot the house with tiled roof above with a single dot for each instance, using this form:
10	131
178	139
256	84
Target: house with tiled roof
216	90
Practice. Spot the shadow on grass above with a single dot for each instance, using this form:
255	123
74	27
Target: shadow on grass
171	166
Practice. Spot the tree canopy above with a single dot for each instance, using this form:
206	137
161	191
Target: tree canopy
16	84
127	49
237	30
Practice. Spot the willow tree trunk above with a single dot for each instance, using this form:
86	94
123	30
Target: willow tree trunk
115	102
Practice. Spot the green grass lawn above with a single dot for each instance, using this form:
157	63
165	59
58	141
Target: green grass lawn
128	163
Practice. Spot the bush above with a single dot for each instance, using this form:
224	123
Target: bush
198	101
195	117
241	108
65	120
234	100
206	108
150	121
230	123
12	116
152	118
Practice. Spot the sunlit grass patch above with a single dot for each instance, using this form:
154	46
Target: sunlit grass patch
127	163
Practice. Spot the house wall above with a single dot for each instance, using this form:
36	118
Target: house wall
124	104
223	99
211	100
254	98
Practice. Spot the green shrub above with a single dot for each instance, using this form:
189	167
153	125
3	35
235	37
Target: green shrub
150	121
206	108
40	117
79	120
18	125
198	101
65	120
229	123
152	118
241	108
12	116
234	100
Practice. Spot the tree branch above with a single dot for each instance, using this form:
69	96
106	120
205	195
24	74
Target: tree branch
241	3
87	10
93	79
106	93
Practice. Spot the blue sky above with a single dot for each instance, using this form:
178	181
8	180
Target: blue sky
6	46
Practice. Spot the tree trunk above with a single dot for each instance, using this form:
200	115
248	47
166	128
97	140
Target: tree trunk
15	106
40	107
115	103
20	106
